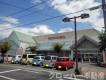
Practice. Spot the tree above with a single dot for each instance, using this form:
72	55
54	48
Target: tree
4	47
102	41
58	48
33	49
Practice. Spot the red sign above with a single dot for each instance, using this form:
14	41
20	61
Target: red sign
56	37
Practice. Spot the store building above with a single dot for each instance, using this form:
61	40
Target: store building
87	43
19	42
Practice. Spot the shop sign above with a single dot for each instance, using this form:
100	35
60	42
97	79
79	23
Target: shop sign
56	37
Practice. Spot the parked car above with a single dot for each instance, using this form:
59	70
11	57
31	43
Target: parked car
1	59
16	59
38	60
27	58
10	58
49	61
64	63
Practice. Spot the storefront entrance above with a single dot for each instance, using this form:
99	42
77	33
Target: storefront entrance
86	57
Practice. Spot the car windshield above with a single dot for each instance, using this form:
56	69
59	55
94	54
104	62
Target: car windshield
36	57
47	58
63	59
42	57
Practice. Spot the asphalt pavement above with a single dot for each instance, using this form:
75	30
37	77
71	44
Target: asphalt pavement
28	72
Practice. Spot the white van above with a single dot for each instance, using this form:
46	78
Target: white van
27	58
16	59
49	60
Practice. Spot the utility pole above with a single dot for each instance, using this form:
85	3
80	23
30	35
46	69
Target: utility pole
82	16
104	12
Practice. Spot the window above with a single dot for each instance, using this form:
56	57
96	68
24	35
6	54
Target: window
42	57
62	59
24	56
48	58
31	56
54	58
19	56
36	57
67	59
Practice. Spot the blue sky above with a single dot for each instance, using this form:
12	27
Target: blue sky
43	10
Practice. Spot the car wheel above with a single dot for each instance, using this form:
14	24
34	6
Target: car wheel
42	64
28	63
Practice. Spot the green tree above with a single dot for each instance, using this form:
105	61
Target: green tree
102	41
4	47
58	48
33	49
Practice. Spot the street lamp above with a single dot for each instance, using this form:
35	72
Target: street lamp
82	16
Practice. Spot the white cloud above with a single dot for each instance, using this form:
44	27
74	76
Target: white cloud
7	31
7	28
70	6
10	20
41	30
99	24
35	2
9	24
65	30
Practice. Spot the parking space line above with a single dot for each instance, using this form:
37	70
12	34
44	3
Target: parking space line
23	68
10	71
30	71
7	77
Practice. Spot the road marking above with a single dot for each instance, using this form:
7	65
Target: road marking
72	78
7	77
10	71
23	68
30	71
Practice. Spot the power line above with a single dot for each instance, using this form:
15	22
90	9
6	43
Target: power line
26	9
37	11
1	2
34	12
47	19
41	10
44	20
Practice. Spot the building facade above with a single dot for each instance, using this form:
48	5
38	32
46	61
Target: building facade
87	44
19	42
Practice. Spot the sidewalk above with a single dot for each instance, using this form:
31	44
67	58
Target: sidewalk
93	71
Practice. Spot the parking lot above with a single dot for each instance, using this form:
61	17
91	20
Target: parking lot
28	72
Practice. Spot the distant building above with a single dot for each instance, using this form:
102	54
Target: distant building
19	42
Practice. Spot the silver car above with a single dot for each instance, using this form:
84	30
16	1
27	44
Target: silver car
49	61
38	60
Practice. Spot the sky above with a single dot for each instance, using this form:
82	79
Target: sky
36	17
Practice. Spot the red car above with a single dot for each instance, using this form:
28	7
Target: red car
64	63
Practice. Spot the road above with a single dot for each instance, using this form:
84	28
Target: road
28	72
